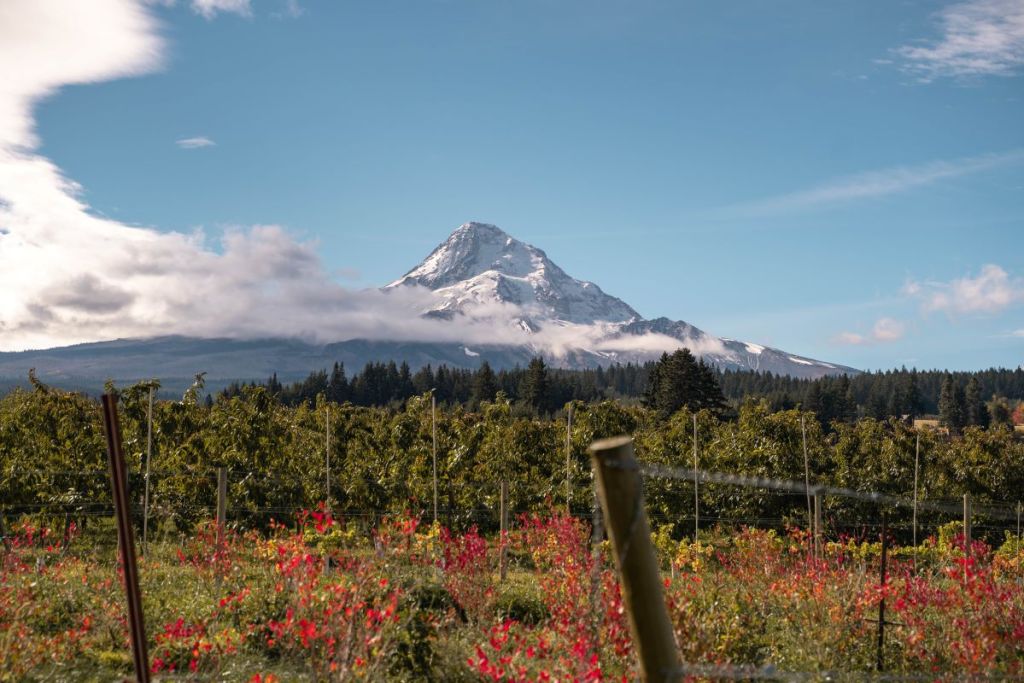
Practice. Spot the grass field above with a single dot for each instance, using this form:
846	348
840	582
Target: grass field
319	600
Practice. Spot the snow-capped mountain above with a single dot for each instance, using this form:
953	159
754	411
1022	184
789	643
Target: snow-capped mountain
480	266
486	297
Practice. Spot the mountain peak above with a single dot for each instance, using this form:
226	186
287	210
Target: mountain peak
480	263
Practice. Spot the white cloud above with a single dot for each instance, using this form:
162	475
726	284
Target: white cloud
979	38
991	291
1017	333
850	339
879	183
195	143
885	330
210	8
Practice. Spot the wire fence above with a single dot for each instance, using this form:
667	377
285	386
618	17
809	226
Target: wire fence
1002	517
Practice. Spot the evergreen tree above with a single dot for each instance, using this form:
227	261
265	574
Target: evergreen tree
405	386
273	385
951	405
974	408
423	380
906	397
535	385
337	386
485	385
679	380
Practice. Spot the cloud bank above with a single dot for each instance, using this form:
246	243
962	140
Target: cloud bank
68	275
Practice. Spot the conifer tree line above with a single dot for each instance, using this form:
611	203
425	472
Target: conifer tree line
959	399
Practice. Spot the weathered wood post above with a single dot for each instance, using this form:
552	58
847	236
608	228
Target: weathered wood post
125	537
620	491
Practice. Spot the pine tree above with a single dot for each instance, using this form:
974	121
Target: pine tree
974	408
679	380
484	385
337	386
535	385
951	405
405	386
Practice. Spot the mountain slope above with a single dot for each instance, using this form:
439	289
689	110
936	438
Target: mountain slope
493	297
480	264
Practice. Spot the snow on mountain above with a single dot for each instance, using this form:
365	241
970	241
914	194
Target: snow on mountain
494	299
480	269
480	264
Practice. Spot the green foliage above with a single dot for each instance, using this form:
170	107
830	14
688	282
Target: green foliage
52	459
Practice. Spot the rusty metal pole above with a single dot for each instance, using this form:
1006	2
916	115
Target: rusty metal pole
568	461
807	476
149	457
620	491
967	532
881	603
818	551
503	524
125	537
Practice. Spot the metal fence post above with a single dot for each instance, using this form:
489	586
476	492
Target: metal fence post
125	537
620	491
503	522
880	664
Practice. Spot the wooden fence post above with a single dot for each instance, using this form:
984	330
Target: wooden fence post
125	537
620	491
503	521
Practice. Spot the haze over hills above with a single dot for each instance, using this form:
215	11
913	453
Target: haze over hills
495	298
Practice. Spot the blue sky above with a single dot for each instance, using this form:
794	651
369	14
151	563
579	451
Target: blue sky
834	179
